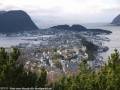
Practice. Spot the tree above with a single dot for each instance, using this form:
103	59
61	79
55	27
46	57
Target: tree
13	74
3	63
106	78
42	81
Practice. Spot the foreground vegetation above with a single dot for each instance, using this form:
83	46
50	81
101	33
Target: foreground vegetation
12	74
107	78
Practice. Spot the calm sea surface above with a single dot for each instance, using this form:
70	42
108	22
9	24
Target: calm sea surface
114	37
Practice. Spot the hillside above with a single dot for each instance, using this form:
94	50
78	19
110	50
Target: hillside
116	20
79	28
14	21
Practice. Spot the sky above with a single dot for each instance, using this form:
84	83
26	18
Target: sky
53	12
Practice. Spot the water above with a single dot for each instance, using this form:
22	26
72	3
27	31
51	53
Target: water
114	42
16	39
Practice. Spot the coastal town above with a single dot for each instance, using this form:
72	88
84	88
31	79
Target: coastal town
60	53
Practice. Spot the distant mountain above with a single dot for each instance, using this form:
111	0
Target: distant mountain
79	28
116	20
14	21
61	27
75	27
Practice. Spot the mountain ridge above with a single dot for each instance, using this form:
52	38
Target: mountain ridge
15	21
79	28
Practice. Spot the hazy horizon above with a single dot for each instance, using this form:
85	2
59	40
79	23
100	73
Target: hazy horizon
53	12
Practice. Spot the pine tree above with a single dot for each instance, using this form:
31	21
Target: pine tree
42	81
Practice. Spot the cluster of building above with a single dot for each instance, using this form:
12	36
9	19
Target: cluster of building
60	56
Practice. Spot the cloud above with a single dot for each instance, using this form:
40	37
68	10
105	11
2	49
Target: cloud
65	11
61	6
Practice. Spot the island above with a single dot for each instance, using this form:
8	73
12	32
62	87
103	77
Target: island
116	20
16	21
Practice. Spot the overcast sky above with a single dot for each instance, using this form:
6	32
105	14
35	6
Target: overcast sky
52	12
